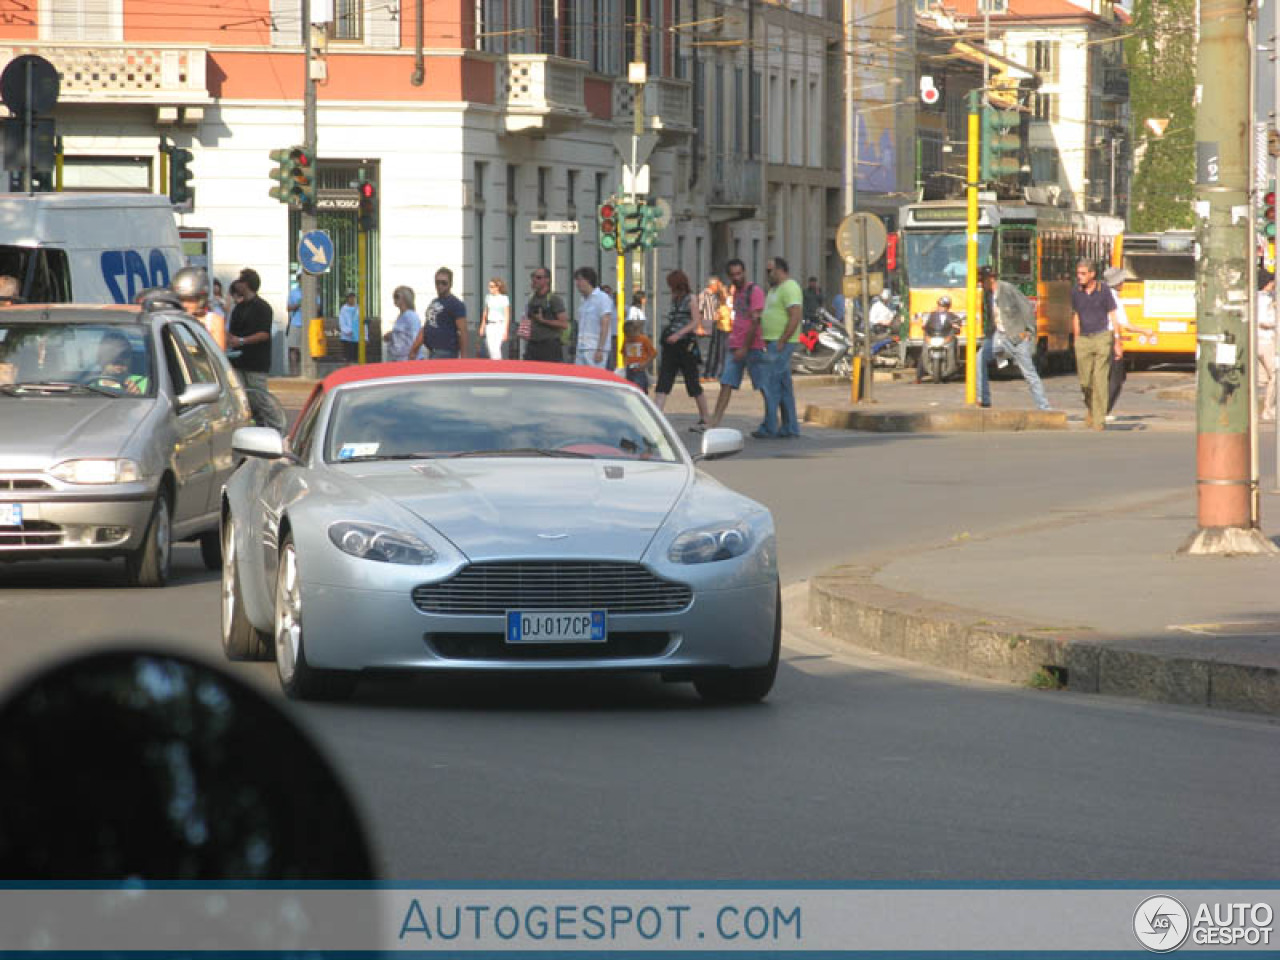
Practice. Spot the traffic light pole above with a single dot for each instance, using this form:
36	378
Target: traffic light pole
307	221
971	273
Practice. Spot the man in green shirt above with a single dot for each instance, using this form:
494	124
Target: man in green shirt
780	325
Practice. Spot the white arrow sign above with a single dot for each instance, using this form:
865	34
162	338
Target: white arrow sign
316	252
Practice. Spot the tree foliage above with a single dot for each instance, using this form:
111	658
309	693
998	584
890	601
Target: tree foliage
1162	76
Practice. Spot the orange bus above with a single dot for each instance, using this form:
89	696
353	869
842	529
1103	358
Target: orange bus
1159	294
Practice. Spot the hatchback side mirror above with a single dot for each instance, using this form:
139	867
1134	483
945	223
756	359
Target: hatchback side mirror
262	442
198	394
720	443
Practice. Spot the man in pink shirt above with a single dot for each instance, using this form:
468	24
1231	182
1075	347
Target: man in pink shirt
746	344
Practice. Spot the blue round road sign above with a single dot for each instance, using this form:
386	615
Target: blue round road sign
315	252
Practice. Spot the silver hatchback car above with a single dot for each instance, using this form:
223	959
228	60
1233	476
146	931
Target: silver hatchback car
115	434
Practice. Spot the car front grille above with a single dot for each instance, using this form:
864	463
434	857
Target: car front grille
33	533
491	589
493	646
23	483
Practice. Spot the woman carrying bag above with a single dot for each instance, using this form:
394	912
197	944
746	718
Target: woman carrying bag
680	349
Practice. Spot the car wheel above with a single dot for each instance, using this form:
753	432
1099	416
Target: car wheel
298	679
148	566
241	640
745	686
211	549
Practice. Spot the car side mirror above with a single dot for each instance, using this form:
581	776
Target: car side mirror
144	765
198	394
720	443
262	442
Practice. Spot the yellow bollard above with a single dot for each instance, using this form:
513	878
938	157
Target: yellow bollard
316	338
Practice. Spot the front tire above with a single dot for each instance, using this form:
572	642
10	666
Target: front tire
298	679
752	684
241	640
148	566
211	549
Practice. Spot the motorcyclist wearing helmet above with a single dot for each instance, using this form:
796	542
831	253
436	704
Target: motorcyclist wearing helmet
941	322
191	284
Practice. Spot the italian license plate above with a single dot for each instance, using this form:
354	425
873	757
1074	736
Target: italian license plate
10	514
556	626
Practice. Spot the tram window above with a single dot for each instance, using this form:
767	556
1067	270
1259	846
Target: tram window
1015	255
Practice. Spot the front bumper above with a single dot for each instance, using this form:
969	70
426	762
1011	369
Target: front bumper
104	520
363	629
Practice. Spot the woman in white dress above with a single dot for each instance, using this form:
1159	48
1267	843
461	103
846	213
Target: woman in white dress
496	320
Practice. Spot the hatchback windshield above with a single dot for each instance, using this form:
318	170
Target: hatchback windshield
49	358
496	418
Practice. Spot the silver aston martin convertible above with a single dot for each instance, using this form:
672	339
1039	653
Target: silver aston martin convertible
493	516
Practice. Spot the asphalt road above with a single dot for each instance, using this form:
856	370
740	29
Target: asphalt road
855	769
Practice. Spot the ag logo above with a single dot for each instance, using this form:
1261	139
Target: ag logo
1161	924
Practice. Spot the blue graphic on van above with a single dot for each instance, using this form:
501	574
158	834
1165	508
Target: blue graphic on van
137	275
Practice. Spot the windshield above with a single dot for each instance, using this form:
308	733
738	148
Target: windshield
107	359
1161	266
495	417
939	258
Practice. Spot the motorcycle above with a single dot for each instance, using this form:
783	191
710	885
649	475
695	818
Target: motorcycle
824	347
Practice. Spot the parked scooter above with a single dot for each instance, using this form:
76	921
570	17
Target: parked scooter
824	347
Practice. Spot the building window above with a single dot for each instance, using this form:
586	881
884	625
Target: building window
1044	165
1044	59
753	111
1044	106
88	20
348	20
739	110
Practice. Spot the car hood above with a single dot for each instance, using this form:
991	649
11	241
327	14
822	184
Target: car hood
38	431
498	508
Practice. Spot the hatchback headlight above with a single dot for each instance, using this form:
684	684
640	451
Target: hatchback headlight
97	471
368	541
706	544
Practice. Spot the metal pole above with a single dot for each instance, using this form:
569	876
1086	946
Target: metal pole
867	372
1255	491
620	296
1224	487
28	123
971	282
362	273
307	221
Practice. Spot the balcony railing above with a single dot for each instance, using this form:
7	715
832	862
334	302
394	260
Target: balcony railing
668	103
538	90
736	181
122	73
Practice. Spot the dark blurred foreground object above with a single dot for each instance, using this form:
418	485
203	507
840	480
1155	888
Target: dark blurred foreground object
132	765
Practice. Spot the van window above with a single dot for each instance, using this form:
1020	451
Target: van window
43	275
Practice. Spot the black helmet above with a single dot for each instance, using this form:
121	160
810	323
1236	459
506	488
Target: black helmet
944	301
191	283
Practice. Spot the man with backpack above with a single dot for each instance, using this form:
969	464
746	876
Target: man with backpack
745	349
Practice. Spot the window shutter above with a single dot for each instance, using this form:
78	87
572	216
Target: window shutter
82	20
286	23
382	23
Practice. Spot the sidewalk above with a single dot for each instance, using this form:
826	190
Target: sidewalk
1107	606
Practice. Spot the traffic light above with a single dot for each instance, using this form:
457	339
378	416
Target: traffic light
304	178
295	178
629	226
608	221
1000	143
368	195
649	216
180	175
1269	213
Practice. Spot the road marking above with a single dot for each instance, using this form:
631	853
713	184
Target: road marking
1262	629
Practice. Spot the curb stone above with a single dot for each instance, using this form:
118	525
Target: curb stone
954	421
848	605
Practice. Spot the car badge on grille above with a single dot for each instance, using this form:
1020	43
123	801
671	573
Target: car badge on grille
552	536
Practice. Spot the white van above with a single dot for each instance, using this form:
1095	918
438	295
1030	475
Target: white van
88	247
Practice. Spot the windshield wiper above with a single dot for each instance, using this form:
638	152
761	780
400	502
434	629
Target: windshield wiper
367	457
526	452
18	389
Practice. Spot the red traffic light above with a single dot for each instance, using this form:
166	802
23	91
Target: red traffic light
607	212
301	158
366	190
1270	199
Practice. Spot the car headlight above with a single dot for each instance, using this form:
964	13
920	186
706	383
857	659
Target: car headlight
368	541
97	471
706	544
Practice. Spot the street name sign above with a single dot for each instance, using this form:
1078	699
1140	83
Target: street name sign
554	226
